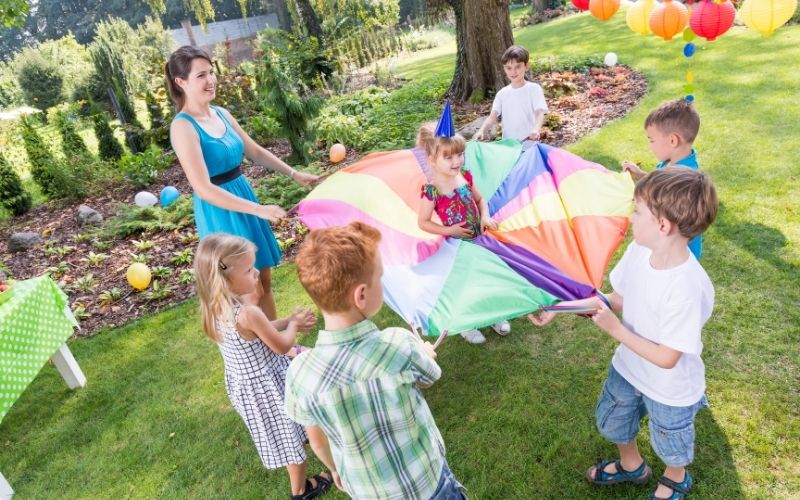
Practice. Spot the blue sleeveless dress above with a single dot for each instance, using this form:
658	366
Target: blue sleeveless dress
222	154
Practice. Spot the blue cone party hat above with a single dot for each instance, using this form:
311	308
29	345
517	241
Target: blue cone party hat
446	126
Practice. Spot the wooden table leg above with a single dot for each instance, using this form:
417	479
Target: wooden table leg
68	367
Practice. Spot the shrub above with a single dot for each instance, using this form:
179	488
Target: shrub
109	147
71	143
12	195
44	167
131	219
10	93
159	128
560	64
343	117
142	168
40	80
134	131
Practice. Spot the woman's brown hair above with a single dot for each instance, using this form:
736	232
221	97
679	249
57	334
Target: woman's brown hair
178	66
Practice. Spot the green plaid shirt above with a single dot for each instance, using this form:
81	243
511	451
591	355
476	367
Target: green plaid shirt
359	386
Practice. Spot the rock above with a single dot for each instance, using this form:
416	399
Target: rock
469	130
88	216
20	242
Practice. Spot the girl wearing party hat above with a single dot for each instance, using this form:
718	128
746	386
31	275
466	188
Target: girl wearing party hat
461	209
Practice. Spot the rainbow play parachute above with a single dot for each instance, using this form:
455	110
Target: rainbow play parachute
560	220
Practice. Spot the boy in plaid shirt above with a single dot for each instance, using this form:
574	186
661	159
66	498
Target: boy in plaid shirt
358	391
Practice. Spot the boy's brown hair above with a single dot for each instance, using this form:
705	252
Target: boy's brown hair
676	117
332	261
515	53
684	196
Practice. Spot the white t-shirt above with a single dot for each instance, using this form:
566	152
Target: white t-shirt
668	307
516	107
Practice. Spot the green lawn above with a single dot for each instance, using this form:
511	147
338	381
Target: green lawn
517	414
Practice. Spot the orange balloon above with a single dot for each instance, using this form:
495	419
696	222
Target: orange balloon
337	153
668	19
603	9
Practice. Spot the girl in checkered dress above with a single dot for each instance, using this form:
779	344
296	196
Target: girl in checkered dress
254	351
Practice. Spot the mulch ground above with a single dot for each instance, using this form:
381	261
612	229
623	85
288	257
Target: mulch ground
589	101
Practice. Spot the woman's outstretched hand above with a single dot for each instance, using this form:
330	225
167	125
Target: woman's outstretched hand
272	213
306	180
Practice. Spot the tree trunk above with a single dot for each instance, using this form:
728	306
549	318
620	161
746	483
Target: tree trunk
310	19
483	33
538	6
282	11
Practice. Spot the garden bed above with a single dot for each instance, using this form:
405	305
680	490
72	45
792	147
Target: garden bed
581	102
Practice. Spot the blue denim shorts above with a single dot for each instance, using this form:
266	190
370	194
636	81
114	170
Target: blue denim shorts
449	488
621	407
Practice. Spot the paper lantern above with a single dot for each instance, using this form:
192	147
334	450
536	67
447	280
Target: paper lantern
603	9
145	199
638	16
581	4
710	20
138	276
765	16
668	19
337	153
168	196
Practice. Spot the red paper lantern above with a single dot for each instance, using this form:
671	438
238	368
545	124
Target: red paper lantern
710	20
581	4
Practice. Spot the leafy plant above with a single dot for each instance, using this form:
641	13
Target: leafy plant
143	168
58	270
81	238
101	244
141	258
143	245
131	219
108	297
85	283
161	272
158	292
79	311
95	259
12	194
186	277
189	237
182	257
58	251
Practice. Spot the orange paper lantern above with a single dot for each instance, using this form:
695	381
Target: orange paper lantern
337	153
603	9
668	19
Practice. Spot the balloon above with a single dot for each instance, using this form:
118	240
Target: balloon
668	19
145	199
689	49
638	16
610	59
337	153
711	20
765	16
138	275
168	196
603	9
581	4
688	35
690	98
689	76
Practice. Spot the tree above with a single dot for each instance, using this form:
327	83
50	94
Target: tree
40	80
12	194
483	33
109	147
538	6
310	20
12	12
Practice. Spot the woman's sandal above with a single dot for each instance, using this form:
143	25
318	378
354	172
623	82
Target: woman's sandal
312	491
679	490
639	476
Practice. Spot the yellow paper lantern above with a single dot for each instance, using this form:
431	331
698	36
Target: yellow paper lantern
765	16
337	153
638	16
138	276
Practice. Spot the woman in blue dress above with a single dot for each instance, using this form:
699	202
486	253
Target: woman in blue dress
210	146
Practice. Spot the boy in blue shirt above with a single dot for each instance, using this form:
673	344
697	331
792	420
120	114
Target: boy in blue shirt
671	130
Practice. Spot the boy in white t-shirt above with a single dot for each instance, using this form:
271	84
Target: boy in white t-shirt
657	368
520	104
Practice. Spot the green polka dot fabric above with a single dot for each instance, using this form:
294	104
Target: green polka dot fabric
34	321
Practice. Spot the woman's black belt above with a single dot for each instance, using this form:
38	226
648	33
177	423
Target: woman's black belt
226	176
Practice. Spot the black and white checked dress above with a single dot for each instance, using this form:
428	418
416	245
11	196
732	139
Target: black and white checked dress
255	378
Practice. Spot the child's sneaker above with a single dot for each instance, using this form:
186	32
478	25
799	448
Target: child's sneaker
474	337
502	328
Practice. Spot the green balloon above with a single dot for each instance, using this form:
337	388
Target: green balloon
688	88
688	35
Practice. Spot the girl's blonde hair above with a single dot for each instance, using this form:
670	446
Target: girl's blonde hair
212	264
435	146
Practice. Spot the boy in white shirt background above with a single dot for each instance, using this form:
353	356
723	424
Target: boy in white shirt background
667	298
520	105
